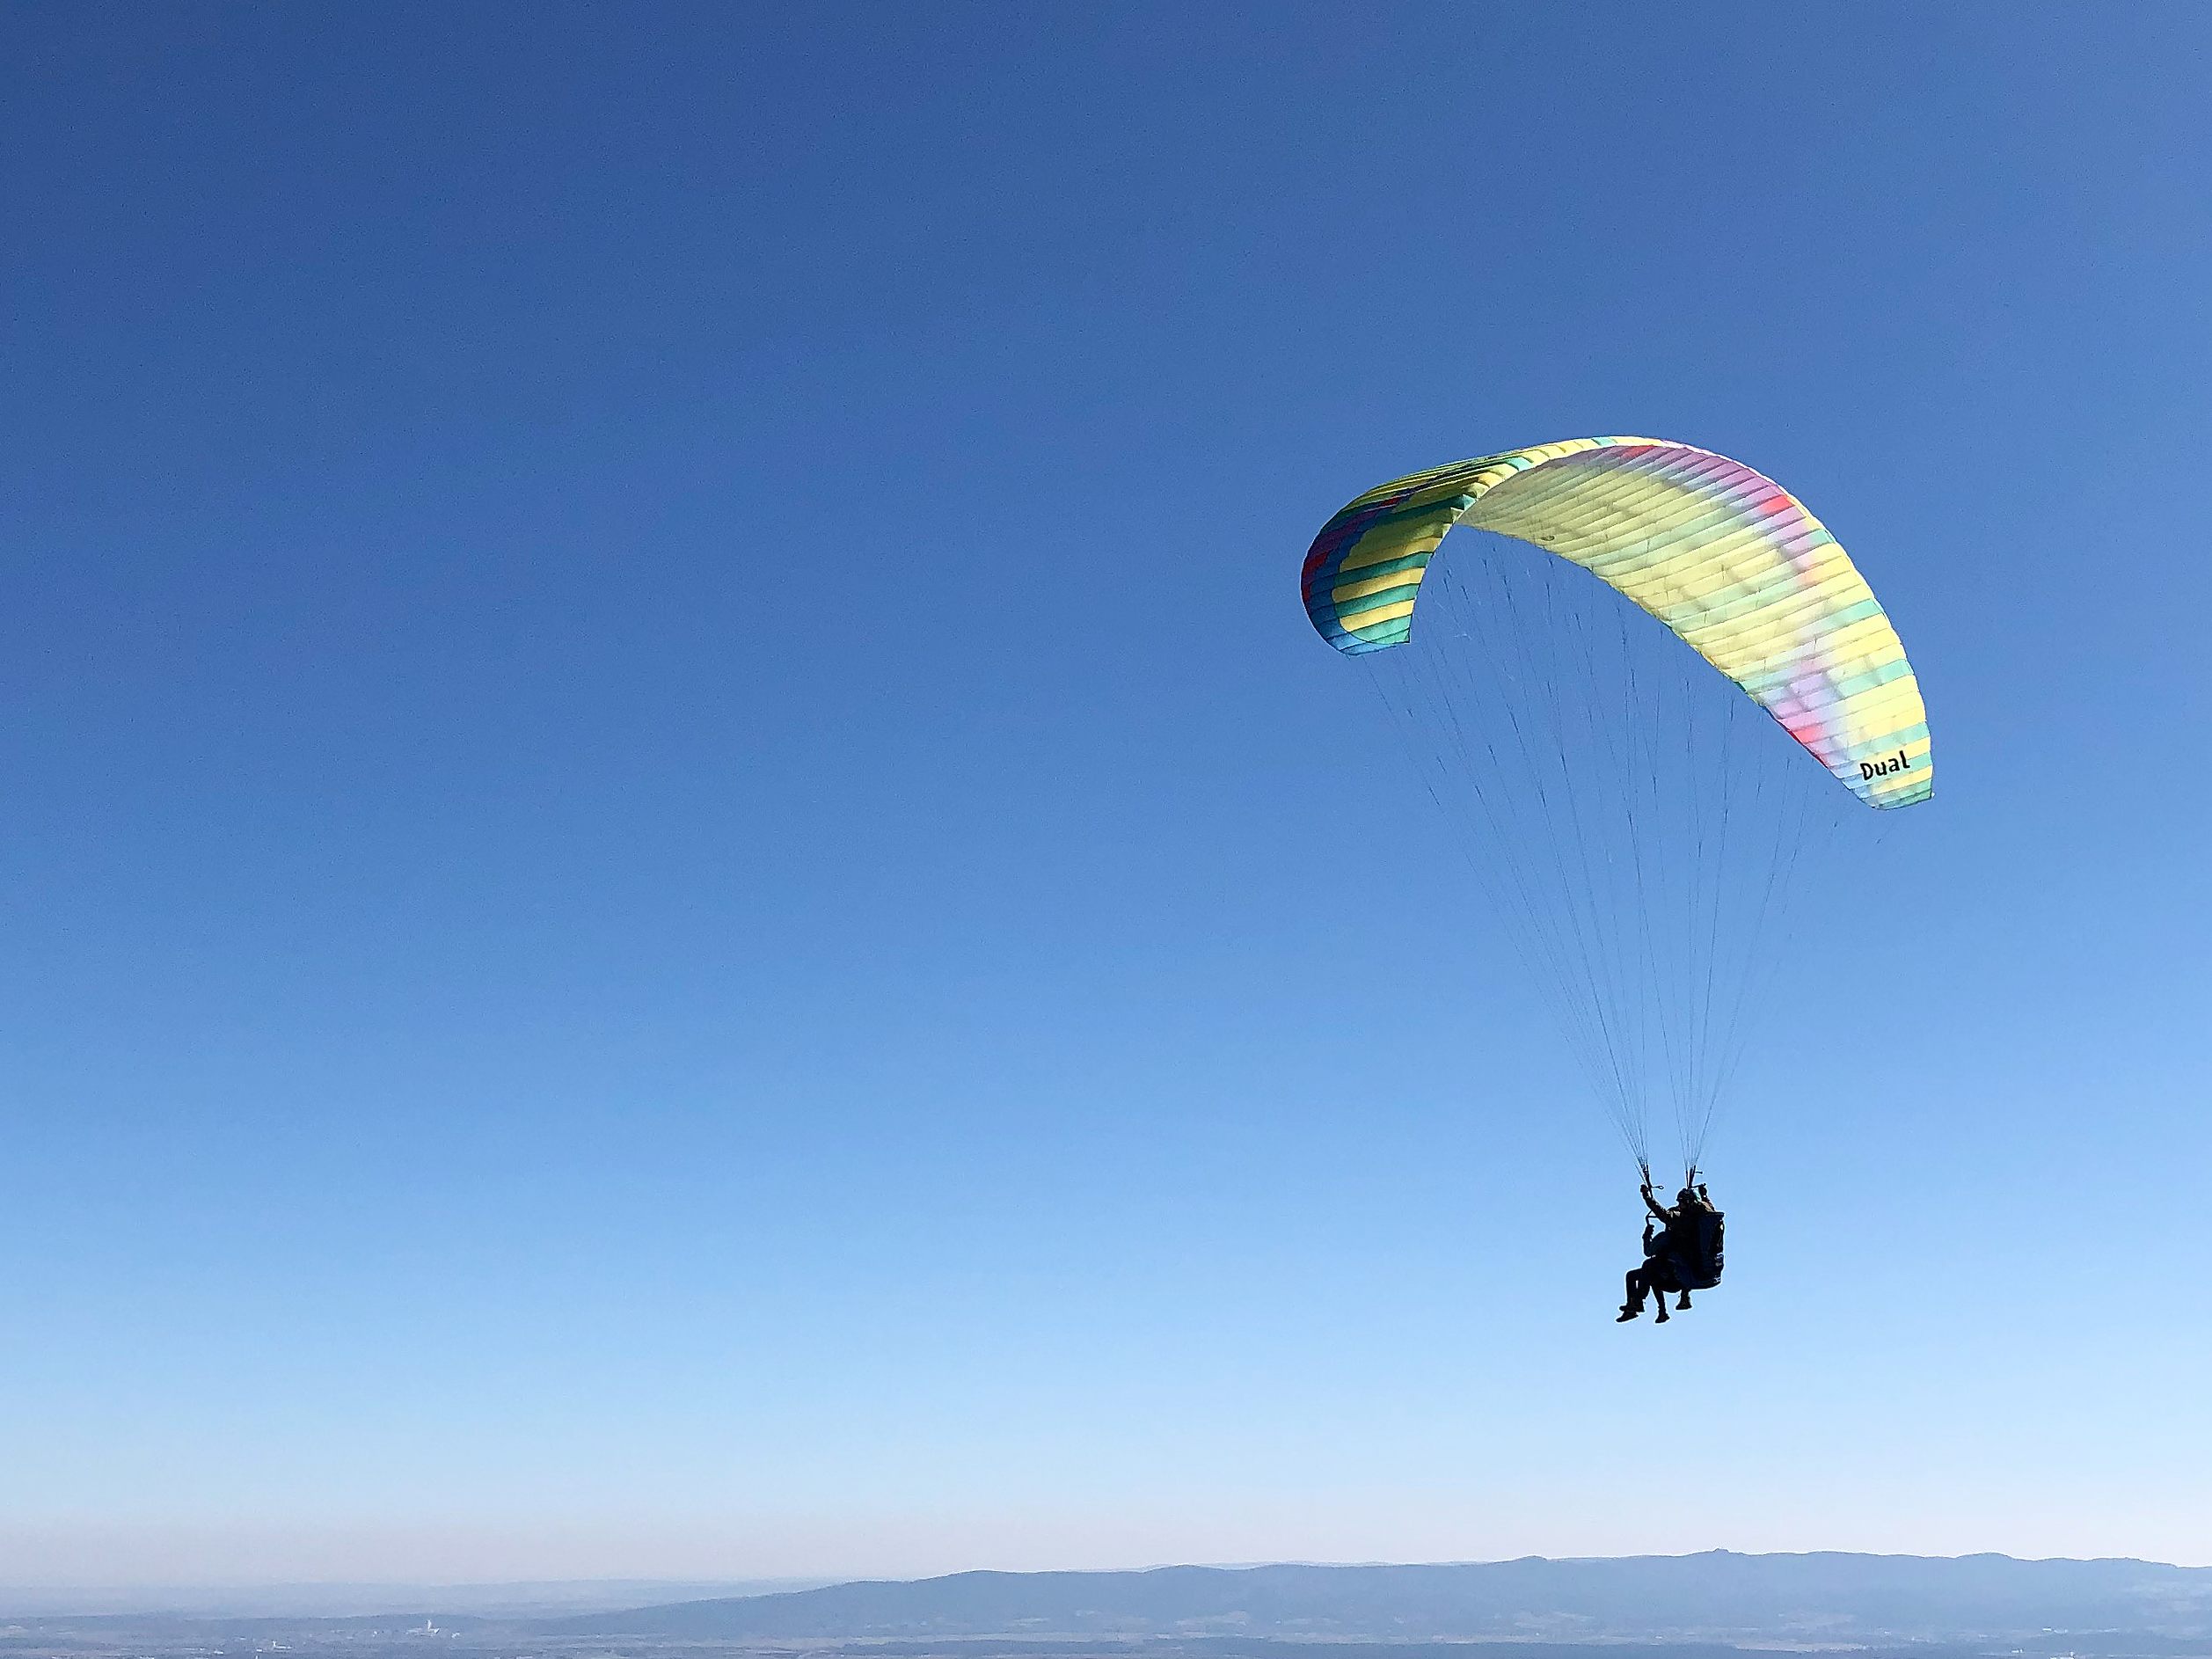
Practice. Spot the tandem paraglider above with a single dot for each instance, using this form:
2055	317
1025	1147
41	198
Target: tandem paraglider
1614	695
1682	1250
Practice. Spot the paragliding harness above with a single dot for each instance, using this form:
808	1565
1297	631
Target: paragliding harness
1689	1254
1695	1257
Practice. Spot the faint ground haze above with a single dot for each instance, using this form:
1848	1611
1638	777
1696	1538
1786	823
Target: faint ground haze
1826	1598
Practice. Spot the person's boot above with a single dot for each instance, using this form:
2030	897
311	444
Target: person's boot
1684	1303
1629	1311
1663	1317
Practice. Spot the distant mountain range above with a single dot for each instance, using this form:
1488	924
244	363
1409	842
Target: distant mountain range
1704	1606
1717	1596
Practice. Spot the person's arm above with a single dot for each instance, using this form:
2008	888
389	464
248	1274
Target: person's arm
1655	1206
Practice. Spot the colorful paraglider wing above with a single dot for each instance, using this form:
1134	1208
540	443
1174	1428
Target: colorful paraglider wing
1727	558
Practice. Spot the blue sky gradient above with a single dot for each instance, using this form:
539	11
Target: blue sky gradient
634	944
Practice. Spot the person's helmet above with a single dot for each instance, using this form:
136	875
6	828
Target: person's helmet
1687	1197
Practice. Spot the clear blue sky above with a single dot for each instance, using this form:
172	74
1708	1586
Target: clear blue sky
625	951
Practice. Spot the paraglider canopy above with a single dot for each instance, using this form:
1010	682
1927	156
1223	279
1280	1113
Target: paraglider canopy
1641	824
1727	558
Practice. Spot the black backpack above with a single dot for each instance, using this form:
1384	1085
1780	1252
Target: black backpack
1694	1252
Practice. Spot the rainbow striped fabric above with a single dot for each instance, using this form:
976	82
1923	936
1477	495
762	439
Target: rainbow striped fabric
1727	558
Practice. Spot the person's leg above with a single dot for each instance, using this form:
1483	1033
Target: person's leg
1632	1303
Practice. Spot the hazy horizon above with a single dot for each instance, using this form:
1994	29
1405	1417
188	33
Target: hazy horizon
133	1595
350	1598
